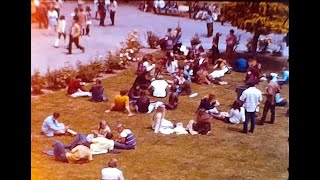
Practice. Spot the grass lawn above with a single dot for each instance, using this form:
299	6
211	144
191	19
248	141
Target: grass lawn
223	154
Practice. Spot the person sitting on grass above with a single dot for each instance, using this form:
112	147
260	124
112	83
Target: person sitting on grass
159	123
202	77
142	103
134	93
142	81
126	139
112	172
182	83
220	69
76	88
284	79
51	126
102	131
236	113
97	92
173	99
202	125
120	103
78	154
159	87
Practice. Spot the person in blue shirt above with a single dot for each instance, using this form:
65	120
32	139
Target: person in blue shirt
52	127
241	65
284	79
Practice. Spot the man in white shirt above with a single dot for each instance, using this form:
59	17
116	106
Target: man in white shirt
112	172
112	9
159	87
251	98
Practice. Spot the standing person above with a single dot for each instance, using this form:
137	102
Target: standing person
231	41
215	48
96	11
61	31
209	21
57	6
112	172
102	12
121	103
82	15
251	98
112	9
53	18
89	22
74	35
52	127
126	139
42	17
270	103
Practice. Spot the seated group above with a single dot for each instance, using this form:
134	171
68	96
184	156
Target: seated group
150	77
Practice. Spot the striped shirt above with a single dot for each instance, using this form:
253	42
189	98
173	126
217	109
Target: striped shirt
129	137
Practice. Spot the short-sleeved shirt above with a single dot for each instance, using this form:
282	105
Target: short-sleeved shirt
120	102
80	152
159	88
129	137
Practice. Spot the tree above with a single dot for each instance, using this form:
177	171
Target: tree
259	18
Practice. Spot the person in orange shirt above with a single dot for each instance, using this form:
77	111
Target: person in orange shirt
120	103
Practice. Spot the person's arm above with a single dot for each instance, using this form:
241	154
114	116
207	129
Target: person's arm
90	156
128	107
74	150
121	176
243	96
53	126
108	110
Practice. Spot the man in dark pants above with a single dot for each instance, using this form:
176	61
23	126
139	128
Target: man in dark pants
113	8
251	98
102	12
74	35
209	21
270	104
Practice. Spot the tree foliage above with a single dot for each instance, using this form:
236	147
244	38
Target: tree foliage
258	17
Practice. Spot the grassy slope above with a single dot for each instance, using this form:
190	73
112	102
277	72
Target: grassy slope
224	154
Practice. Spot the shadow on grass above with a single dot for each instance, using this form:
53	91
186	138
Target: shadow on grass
235	129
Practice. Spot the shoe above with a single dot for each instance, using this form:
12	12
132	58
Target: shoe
69	53
244	132
269	122
83	50
251	130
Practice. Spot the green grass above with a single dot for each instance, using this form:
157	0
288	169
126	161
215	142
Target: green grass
224	154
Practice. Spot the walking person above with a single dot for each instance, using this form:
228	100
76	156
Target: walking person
53	18
96	10
74	35
251	98
209	21
61	31
231	41
102	12
215	48
112	9
57	6
82	15
270	104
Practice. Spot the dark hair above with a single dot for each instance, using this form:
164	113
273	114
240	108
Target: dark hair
78	77
98	81
81	9
210	13
123	92
56	115
236	104
76	18
88	8
232	31
62	17
76	10
109	135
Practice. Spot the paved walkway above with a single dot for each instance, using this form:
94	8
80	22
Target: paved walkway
128	18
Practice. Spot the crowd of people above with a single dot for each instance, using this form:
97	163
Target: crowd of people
169	76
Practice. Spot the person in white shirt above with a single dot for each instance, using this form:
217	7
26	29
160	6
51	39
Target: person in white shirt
159	123
172	65
52	18
112	172
159	87
236	113
61	31
251	98
112	9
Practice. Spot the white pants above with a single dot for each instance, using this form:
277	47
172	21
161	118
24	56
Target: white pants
81	94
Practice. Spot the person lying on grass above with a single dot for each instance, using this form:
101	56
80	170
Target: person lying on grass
121	103
79	154
126	139
52	127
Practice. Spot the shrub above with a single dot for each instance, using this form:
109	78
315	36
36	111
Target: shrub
38	82
90	71
58	79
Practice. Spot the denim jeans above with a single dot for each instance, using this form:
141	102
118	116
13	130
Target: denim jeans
118	145
79	138
252	116
59	152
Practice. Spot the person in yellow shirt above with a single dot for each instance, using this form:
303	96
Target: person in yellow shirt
79	153
121	103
